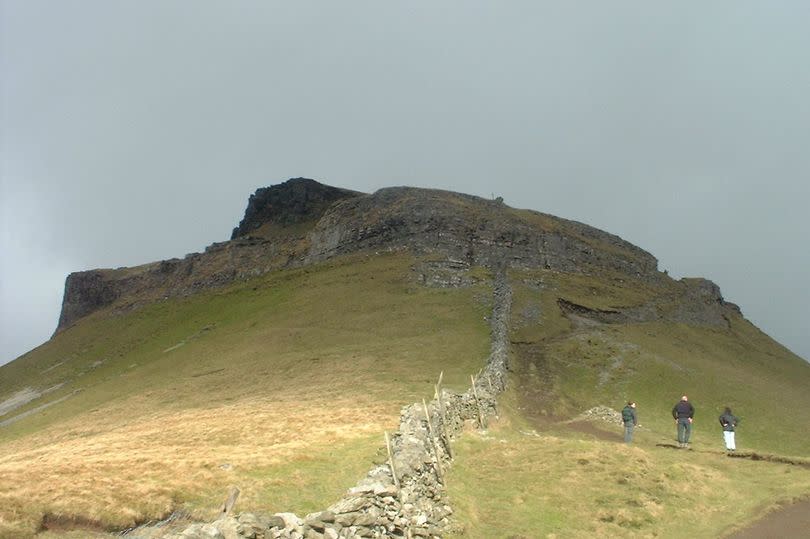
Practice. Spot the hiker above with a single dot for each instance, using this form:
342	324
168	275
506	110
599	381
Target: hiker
729	422
630	421
684	413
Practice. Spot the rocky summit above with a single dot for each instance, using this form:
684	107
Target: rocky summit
302	221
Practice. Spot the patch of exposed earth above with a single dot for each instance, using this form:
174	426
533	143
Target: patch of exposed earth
23	397
787	522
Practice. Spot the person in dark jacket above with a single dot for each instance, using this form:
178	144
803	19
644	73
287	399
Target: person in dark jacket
630	421
684	413
729	423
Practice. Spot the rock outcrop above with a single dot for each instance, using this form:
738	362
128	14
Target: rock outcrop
295	201
692	301
86	292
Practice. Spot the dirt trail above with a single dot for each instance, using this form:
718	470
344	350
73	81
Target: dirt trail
588	427
790	522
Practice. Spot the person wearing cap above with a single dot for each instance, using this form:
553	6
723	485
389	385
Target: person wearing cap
630	421
684	413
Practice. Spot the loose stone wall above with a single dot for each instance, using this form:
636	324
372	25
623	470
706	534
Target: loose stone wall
404	498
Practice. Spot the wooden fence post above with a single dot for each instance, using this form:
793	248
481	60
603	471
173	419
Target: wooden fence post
230	501
478	404
391	460
439	471
444	436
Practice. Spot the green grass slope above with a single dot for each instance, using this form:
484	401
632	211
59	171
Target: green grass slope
582	363
282	385
546	477
519	482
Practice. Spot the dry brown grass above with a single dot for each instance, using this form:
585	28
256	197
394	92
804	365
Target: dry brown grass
119	474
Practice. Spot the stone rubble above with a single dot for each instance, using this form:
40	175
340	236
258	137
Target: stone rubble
602	413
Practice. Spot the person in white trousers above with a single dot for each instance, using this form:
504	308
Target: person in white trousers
729	423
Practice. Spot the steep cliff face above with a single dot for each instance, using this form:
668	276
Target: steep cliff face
302	221
87	291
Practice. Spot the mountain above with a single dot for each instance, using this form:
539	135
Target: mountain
276	360
302	222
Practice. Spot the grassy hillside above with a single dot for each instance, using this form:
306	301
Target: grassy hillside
546	477
282	385
572	366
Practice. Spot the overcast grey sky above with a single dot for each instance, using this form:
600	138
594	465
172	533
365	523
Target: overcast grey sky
135	131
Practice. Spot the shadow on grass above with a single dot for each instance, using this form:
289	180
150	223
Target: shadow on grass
751	455
587	427
673	446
